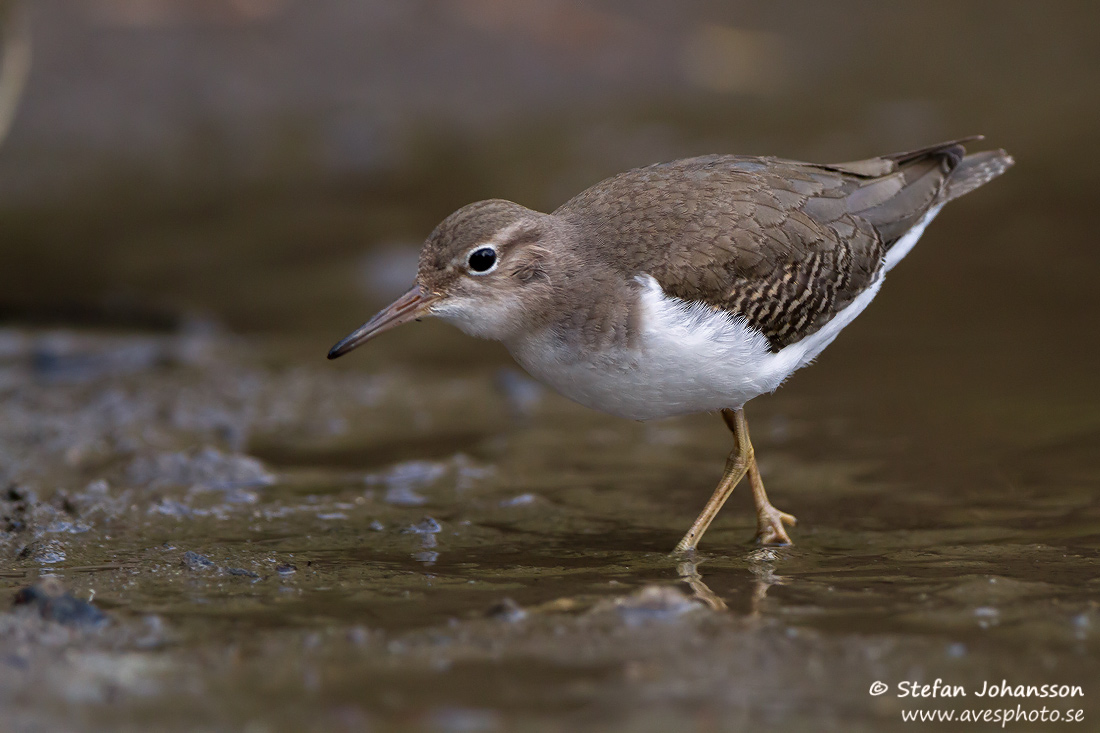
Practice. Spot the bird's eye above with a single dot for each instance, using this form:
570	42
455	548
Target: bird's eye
482	260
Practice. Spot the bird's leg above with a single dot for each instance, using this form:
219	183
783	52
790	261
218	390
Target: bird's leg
736	466
769	520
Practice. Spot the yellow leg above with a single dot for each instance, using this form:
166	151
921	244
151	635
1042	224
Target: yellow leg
742	460
737	465
769	520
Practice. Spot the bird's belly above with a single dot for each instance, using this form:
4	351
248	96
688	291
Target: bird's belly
686	358
645	386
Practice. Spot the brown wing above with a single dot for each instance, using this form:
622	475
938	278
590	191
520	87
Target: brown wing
787	245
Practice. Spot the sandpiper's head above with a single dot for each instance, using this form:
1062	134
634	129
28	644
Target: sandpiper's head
484	268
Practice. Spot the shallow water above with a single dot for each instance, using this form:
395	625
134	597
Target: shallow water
419	536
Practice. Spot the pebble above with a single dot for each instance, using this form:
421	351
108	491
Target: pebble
195	561
49	597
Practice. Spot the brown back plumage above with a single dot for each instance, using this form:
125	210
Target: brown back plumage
786	245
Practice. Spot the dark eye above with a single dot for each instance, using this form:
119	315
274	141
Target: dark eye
482	260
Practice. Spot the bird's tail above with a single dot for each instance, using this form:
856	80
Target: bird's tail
976	170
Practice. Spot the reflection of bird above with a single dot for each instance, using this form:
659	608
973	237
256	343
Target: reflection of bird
685	287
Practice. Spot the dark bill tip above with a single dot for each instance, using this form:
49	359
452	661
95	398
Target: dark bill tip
409	307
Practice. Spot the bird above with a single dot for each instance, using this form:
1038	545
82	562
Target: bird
686	287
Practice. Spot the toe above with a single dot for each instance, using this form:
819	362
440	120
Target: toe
770	529
773	536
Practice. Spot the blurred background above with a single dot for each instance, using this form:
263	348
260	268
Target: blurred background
199	197
271	166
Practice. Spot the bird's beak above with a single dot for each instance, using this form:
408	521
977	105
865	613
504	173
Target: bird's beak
410	306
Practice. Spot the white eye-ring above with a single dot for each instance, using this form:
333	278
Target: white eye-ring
482	260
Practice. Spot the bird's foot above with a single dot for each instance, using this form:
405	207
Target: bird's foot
769	526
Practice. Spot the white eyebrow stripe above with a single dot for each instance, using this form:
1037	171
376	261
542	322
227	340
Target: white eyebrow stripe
494	242
507	232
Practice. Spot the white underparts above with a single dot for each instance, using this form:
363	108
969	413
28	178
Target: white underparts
689	358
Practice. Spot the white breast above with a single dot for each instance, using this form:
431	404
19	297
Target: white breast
689	358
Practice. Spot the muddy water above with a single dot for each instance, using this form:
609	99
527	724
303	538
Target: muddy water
420	537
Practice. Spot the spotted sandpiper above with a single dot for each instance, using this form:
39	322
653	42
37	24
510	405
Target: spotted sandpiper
684	287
